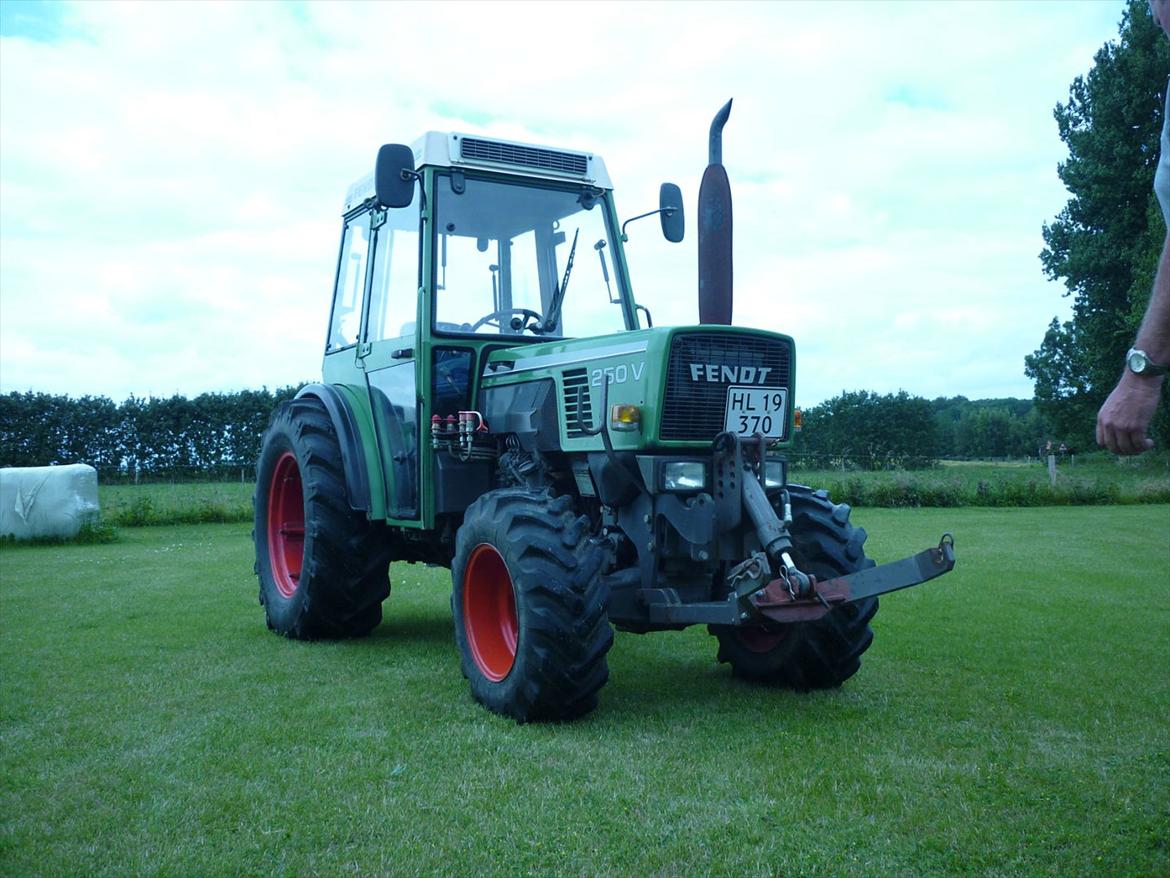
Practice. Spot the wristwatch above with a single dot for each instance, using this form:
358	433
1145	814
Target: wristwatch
1140	363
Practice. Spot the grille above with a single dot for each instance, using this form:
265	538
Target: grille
694	410
578	407
473	149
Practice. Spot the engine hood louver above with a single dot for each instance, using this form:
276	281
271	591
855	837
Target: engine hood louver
578	406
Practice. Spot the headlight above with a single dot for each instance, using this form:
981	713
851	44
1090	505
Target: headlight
684	475
775	475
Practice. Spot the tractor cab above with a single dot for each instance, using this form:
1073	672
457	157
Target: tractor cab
452	249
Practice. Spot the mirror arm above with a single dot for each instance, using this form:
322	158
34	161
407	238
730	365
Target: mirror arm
669	211
407	174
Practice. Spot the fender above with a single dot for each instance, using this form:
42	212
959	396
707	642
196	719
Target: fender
360	468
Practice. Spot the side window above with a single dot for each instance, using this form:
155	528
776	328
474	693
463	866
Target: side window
351	278
394	291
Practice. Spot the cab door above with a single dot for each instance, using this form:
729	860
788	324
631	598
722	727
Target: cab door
388	354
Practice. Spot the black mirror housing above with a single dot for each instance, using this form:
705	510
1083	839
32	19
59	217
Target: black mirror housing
394	175
670	204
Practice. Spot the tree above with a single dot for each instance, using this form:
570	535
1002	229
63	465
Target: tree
872	431
211	435
1105	243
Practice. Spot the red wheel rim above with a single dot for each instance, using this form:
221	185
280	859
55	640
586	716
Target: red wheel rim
759	640
489	612
286	525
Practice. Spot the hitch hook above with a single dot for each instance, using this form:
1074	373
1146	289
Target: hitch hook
796	581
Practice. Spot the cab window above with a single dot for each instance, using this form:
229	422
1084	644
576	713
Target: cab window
394	288
345	323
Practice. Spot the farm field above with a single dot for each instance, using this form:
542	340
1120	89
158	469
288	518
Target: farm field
176	503
1012	718
1089	479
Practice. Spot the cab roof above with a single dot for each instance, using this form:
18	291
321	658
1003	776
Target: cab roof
454	150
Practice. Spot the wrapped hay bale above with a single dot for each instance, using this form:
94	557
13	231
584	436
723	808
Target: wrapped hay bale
47	501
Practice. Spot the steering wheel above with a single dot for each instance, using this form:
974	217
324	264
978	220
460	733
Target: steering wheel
496	315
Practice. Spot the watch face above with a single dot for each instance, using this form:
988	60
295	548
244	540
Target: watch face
1136	361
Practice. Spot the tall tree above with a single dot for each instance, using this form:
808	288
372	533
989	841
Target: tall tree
1105	243
872	431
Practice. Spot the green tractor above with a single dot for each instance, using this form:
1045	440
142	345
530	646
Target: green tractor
492	403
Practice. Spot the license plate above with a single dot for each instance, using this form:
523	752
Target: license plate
752	410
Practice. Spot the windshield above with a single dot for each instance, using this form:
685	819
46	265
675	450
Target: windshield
516	259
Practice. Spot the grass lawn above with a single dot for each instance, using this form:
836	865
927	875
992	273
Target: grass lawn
1012	718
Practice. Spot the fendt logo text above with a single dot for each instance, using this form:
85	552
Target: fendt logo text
729	374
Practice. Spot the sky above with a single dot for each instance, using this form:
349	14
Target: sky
172	174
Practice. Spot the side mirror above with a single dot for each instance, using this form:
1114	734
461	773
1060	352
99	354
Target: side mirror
670	205
394	176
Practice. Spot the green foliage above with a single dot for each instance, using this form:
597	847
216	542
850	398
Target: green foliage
864	430
1106	241
990	428
167	504
876	432
1094	480
210	435
90	534
1008	720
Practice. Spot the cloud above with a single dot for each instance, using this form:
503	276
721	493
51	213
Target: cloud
171	175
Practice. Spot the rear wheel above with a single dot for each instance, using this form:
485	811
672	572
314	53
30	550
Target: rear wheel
810	655
529	609
323	567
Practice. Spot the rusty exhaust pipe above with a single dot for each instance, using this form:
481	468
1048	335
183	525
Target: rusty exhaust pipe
715	230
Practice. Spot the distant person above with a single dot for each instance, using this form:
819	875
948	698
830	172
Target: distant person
1124	419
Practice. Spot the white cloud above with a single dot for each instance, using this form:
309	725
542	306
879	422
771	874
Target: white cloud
171	174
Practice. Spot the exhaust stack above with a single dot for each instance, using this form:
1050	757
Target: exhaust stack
715	230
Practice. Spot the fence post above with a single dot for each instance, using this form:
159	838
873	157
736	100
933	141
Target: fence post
1052	470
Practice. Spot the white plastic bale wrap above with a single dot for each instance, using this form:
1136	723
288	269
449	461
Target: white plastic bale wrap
47	501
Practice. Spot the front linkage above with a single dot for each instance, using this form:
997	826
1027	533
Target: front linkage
757	598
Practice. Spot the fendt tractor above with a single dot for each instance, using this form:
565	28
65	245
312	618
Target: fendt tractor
492	403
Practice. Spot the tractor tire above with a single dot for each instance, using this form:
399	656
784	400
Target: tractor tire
824	653
323	566
529	607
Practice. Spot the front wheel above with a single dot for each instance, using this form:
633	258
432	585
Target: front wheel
529	608
824	653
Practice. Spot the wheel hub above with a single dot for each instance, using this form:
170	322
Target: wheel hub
489	612
286	525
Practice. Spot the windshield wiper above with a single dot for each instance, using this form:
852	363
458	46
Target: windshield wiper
554	308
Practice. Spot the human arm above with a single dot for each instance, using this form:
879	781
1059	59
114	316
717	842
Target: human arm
1126	414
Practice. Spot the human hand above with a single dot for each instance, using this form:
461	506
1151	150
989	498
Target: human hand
1160	9
1123	419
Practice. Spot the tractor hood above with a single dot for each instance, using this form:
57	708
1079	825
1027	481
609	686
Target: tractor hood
678	377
